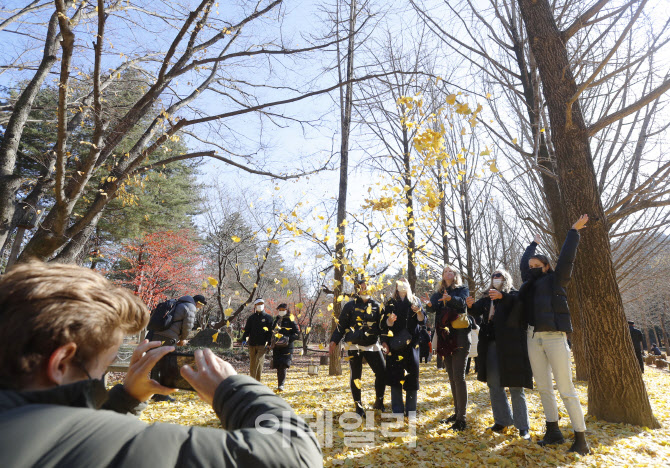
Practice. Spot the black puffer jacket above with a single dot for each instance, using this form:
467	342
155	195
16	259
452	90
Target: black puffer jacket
511	342
402	367
358	314
284	326
61	427
545	298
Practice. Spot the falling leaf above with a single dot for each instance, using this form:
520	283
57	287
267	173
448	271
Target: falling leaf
357	382
265	328
214	337
213	281
235	238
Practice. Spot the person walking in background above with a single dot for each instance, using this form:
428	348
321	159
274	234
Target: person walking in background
636	336
358	326
503	353
452	326
284	333
654	350
257	334
400	327
546	312
424	345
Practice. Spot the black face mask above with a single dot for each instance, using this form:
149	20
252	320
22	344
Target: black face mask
536	272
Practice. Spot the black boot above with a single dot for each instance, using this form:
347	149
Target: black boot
580	445
379	404
459	425
499	428
359	408
450	419
553	435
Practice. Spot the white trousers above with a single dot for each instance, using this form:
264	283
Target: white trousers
549	351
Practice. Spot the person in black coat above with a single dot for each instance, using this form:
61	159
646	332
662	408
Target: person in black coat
503	353
636	336
284	333
358	326
257	334
424	345
453	344
400	328
546	313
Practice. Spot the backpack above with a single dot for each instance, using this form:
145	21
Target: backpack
161	317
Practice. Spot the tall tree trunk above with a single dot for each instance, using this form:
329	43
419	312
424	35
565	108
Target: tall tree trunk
346	103
616	392
443	219
409	207
9	181
552	194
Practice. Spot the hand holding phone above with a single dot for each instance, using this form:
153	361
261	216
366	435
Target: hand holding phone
137	383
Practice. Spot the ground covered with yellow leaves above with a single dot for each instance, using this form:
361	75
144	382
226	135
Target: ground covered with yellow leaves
378	441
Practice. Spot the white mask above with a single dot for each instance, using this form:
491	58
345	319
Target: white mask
497	283
281	313
364	297
260	308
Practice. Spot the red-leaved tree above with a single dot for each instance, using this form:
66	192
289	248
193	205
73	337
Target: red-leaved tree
161	265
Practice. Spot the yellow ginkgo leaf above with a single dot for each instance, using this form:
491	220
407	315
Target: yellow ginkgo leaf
321	346
390	334
213	281
307	330
357	382
205	284
402	382
235	238
228	311
214	337
265	328
493	167
400	358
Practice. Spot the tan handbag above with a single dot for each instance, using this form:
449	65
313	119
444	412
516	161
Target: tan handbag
461	322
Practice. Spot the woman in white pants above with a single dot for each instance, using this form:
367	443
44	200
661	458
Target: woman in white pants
546	314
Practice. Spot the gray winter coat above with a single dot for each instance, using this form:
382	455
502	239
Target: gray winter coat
61	427
183	320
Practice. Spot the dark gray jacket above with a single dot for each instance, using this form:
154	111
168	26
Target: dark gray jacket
183	320
61	427
545	297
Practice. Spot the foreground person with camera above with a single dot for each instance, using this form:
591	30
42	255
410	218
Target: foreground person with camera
60	328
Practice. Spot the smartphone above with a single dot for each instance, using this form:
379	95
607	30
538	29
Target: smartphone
167	370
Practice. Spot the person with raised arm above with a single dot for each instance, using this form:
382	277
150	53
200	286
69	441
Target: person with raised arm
547	318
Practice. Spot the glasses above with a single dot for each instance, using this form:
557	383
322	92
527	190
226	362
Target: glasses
497	275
